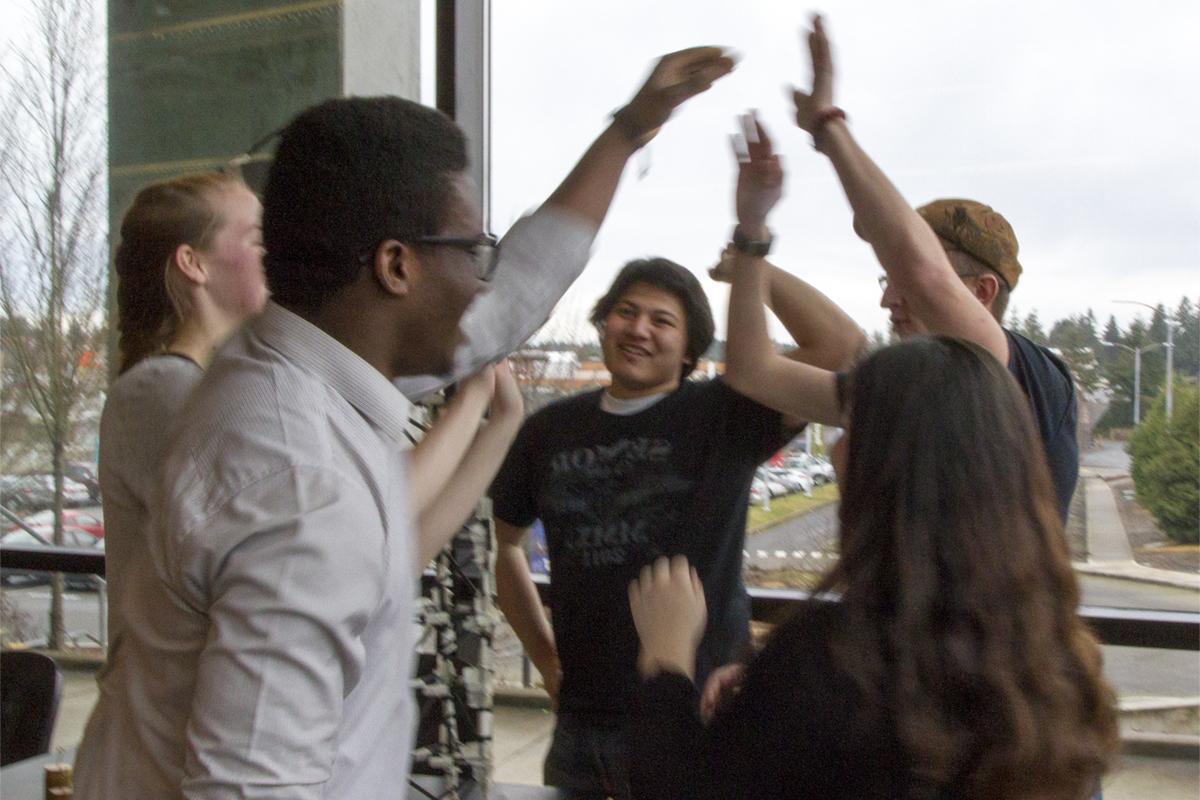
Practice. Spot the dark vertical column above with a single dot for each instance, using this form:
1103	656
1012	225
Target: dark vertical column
455	675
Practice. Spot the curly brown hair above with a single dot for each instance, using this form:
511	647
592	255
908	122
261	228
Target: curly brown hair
957	583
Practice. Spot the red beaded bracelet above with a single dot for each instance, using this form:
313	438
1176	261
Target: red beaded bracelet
822	119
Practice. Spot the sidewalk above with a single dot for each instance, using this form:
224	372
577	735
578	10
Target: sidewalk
1109	553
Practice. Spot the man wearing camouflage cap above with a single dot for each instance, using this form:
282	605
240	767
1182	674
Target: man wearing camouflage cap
982	251
949	265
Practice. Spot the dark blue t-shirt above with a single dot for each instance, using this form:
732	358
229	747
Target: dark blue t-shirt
614	493
1047	383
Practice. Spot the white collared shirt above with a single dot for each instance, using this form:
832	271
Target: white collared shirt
269	636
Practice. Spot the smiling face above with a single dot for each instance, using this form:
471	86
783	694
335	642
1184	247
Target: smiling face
644	340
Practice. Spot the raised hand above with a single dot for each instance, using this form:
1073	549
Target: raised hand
810	106
667	604
676	78
480	387
723	270
760	175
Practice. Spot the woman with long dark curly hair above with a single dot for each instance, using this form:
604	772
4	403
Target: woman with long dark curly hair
953	664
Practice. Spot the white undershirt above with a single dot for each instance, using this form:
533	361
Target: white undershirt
625	408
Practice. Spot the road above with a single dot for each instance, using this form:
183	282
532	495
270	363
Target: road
800	540
1107	458
1106	455
793	543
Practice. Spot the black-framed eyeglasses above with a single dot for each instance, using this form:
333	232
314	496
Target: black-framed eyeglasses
484	248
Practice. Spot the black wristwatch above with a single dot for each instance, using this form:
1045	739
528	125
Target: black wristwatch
751	247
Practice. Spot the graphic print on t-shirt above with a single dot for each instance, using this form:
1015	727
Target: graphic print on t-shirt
642	495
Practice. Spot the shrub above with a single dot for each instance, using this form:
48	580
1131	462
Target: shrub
1166	464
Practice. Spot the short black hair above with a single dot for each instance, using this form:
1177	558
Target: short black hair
348	174
662	273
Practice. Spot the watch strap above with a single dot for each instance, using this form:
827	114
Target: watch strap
752	247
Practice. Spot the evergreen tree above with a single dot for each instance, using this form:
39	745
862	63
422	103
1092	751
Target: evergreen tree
1012	320
1166	464
1075	340
1154	359
1031	329
1117	367
1187	339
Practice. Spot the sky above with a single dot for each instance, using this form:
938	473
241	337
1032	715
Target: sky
1076	120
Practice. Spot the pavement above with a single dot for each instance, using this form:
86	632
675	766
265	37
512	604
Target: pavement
1109	552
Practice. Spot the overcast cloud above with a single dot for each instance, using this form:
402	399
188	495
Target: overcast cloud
1076	120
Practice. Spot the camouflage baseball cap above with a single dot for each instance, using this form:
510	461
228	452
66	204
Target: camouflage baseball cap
978	231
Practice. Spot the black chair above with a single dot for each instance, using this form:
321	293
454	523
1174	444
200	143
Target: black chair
30	688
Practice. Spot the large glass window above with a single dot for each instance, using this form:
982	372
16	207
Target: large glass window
1019	105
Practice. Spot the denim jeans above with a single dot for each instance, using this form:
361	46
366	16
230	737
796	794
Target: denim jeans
588	759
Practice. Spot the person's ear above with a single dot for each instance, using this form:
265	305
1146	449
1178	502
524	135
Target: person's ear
187	260
987	286
394	266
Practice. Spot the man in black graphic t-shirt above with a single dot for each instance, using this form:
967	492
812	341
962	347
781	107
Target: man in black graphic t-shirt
654	465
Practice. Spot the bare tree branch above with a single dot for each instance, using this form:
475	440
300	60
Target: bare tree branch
52	262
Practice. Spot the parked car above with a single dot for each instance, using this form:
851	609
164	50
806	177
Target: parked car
758	491
772	484
819	469
34	492
42	523
73	538
794	479
87	475
25	493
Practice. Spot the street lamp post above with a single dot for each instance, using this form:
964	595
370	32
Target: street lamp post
1170	370
1137	374
1170	345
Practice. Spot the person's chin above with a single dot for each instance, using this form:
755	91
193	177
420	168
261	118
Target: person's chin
446	358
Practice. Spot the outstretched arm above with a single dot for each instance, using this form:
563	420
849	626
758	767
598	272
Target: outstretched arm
588	190
545	252
434	458
474	471
907	248
752	366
